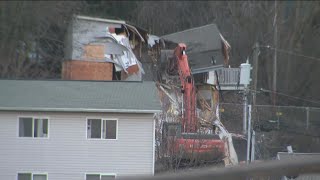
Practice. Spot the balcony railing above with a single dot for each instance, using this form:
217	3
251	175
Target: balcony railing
228	78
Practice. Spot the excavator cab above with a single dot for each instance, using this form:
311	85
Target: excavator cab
189	146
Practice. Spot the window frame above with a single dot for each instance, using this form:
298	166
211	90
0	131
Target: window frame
101	174
102	119
32	173
33	118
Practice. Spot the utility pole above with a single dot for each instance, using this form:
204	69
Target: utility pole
253	145
275	41
255	74
249	135
308	116
245	108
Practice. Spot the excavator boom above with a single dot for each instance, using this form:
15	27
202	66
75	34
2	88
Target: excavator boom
189	121
184	136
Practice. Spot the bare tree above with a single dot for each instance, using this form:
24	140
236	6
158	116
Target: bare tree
32	37
245	22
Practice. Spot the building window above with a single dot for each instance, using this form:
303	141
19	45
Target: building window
101	129
100	176
33	127
31	176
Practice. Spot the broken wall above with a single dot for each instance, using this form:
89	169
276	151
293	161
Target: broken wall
95	45
85	32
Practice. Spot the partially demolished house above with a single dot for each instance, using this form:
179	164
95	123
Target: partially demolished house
208	56
207	52
104	49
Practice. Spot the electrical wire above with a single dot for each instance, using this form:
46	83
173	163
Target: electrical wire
283	94
279	93
267	105
291	130
291	53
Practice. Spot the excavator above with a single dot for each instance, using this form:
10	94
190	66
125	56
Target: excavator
183	139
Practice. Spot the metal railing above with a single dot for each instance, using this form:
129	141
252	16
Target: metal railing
228	76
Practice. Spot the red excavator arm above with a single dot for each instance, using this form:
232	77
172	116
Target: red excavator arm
189	121
182	139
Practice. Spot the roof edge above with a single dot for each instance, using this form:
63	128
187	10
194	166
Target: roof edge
111	21
137	111
100	19
190	29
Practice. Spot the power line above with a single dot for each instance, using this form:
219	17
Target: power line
294	97
299	133
265	105
283	94
291	53
292	130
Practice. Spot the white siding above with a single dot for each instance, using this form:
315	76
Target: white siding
67	154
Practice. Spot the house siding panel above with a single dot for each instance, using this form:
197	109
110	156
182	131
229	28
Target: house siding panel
67	154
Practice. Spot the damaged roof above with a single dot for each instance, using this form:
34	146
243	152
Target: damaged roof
199	39
79	96
204	47
111	21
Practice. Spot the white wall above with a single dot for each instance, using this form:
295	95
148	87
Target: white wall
67	154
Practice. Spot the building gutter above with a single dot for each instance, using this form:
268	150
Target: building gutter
44	109
101	20
206	69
